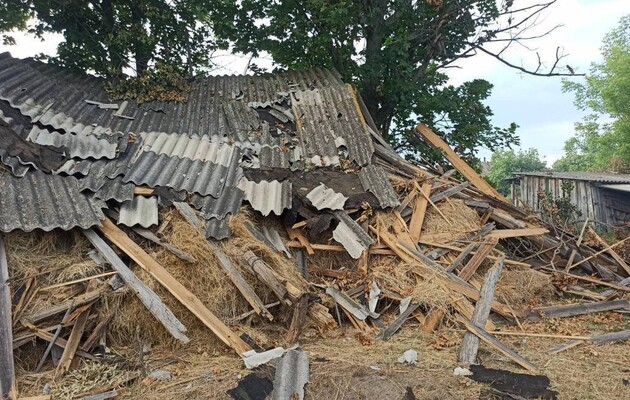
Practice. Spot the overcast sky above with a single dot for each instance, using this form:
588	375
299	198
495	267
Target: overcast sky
545	114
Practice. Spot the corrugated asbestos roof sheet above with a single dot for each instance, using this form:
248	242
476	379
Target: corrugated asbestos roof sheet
292	374
323	197
374	180
44	201
267	196
351	235
581	176
141	211
77	145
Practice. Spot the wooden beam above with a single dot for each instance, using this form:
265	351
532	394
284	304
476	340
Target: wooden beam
186	297
265	274
608	248
510	233
144	293
460	165
571	310
449	192
395	326
147	234
470	343
296	234
300	311
612	252
72	344
8	386
473	264
419	211
240	283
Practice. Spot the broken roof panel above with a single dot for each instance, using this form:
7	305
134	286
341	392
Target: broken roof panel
322	197
267	196
141	211
218	228
44	201
351	235
374	180
292	374
77	145
228	203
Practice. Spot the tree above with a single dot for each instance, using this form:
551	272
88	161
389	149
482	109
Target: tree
504	163
397	52
602	140
109	36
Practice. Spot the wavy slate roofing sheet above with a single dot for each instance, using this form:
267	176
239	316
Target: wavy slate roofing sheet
141	211
267	196
77	145
44	201
373	179
582	176
323	197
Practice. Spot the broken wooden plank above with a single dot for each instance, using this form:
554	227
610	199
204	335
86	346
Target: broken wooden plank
72	344
577	245
611	337
240	283
183	295
144	293
297	321
571	310
473	264
510	233
449	192
433	320
497	345
8	385
77	301
470	343
606	249
357	310
395	326
295	234
147	234
264	273
53	340
460	165
419	211
462	256
622	263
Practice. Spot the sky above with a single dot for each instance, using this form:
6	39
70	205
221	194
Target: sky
545	114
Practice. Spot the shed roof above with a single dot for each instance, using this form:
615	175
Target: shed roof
599	177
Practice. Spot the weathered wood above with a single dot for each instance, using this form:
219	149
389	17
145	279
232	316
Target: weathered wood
470	343
465	308
72	344
395	326
96	333
419	211
606	249
449	192
497	345
510	233
473	264
240	283
144	293
612	252
183	295
460	165
54	339
462	256
8	386
297	321
619	286
264	273
577	245
611	337
295	234
433	320
147	234
571	310
59	342
110	394
354	308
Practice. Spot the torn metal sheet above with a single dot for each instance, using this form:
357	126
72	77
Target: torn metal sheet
77	145
351	235
292	374
141	211
354	308
267	196
274	238
322	197
44	201
374	180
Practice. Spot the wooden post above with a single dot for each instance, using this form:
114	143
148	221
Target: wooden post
8	387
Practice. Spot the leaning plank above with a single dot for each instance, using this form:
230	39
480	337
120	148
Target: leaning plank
8	387
460	165
72	345
297	321
147	296
354	308
147	234
77	301
395	326
460	258
571	310
239	281
612	252
419	210
187	298
449	192
264	273
482	253
510	233
54	339
494	343
608	248
470	343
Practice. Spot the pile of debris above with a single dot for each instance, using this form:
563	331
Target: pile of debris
260	207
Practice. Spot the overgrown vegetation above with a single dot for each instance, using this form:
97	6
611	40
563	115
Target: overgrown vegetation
504	163
162	83
559	211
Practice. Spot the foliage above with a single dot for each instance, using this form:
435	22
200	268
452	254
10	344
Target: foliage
162	83
396	52
602	140
559	211
109	36
504	163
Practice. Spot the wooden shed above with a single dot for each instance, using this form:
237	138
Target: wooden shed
601	197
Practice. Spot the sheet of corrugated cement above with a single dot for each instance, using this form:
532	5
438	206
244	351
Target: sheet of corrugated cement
266	197
13	164
373	179
228	203
77	145
141	211
323	197
193	176
115	189
292	374
351	235
218	228
44	201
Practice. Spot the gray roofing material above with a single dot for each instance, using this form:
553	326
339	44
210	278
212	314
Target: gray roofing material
141	211
76	145
228	203
217	228
620	187
115	189
43	201
13	163
267	196
374	180
351	235
322	197
292	374
581	176
204	148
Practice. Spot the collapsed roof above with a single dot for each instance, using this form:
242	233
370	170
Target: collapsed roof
293	141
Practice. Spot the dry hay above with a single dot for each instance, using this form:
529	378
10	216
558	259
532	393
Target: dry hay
460	218
206	279
91	376
520	287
